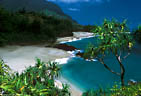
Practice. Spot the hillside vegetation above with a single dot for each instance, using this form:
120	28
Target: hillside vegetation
44	6
22	26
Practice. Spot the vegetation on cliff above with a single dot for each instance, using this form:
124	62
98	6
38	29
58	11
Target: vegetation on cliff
34	27
49	8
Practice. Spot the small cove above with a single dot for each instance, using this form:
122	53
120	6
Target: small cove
87	74
83	74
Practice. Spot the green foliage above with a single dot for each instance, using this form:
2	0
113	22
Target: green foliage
4	69
137	34
22	26
88	28
99	92
132	90
47	7
83	28
113	38
34	81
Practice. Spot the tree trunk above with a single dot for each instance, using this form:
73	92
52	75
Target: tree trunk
122	70
106	66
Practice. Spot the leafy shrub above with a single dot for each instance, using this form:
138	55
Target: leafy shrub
99	92
137	34
34	81
131	90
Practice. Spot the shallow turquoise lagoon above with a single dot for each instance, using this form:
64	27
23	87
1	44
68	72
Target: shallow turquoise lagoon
91	74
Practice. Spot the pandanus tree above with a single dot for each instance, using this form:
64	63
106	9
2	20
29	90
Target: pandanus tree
37	80
113	38
54	70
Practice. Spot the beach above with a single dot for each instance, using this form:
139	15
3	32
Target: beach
18	58
76	36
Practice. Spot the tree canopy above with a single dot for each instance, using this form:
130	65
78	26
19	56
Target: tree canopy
113	38
137	34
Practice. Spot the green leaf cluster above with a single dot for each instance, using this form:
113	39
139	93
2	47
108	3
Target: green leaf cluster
112	36
34	81
130	90
137	34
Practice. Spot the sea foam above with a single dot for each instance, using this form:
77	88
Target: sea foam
75	39
62	60
73	53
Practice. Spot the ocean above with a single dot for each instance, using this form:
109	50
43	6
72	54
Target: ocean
93	75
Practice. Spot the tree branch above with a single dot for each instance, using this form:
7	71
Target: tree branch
126	55
106	66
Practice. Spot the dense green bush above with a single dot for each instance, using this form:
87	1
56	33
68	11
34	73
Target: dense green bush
83	28
34	81
88	28
99	92
137	34
130	90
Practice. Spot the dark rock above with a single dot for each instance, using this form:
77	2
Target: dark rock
65	47
79	54
132	82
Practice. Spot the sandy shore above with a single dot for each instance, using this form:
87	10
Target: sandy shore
21	57
75	91
76	36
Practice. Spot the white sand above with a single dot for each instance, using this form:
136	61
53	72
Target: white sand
75	91
72	88
82	34
76	36
21	57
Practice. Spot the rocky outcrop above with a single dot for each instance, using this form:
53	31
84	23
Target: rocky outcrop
65	47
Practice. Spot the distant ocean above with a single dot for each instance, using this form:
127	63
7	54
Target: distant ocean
93	75
93	13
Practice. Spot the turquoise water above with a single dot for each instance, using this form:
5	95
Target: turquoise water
91	74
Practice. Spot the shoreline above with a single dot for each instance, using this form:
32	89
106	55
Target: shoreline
75	90
76	36
18	58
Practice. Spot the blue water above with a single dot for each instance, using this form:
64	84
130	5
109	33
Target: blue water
93	12
91	74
